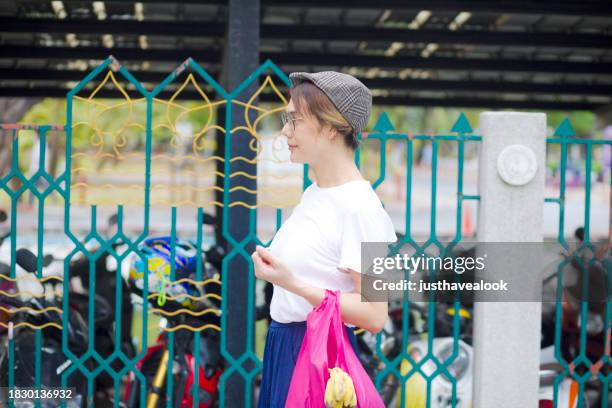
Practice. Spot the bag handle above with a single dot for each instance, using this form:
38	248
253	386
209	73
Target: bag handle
338	326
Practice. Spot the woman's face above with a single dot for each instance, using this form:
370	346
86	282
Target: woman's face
306	144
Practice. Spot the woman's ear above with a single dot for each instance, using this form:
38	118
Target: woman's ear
330	133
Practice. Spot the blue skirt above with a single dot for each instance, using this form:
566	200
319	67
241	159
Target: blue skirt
283	345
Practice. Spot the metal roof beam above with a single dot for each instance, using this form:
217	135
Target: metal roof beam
556	7
462	102
394	84
208	58
548	7
310	32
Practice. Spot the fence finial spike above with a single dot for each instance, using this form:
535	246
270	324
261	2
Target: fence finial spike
565	129
383	124
462	125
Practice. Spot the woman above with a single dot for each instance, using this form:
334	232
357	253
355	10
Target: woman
319	245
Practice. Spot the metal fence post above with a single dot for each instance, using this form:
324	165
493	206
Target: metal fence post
507	335
241	59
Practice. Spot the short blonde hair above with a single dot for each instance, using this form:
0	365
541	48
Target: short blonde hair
311	101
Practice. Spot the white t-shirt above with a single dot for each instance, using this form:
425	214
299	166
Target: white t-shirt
324	233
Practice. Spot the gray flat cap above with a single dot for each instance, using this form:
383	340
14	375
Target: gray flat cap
352	98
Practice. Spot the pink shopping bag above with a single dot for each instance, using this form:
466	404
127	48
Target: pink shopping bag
325	346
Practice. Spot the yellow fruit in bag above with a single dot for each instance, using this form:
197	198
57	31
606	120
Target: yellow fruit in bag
339	390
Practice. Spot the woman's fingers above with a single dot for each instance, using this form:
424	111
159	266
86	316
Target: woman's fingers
260	265
257	263
270	268
265	255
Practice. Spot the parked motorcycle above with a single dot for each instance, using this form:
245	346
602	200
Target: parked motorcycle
155	363
104	296
184	306
34	296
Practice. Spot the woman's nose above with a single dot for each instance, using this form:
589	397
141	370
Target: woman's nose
287	130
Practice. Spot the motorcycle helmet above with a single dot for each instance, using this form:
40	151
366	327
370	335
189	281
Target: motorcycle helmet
157	253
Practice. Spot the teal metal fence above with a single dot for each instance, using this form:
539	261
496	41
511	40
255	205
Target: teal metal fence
410	377
583	365
415	384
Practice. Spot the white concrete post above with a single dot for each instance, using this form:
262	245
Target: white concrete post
507	335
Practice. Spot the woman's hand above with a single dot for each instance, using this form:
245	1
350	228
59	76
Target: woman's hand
271	269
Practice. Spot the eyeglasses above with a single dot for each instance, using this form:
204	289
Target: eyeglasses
288	118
